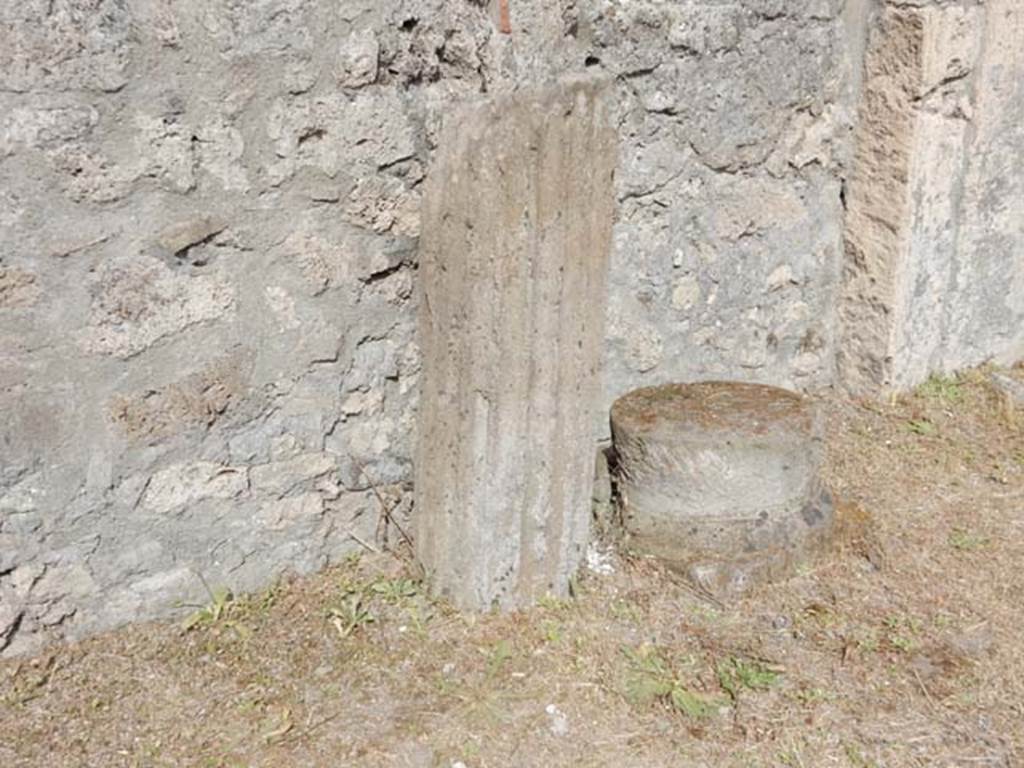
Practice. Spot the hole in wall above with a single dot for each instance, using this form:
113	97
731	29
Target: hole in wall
316	133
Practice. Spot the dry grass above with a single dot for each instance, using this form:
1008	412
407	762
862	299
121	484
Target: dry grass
899	648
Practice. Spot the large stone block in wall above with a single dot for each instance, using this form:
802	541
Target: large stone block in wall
934	244
516	234
986	316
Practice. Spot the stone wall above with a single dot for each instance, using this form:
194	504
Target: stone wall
209	213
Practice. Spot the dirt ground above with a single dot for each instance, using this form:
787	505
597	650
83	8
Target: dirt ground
899	647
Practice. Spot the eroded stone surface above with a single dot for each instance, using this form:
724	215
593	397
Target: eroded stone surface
517	229
720	479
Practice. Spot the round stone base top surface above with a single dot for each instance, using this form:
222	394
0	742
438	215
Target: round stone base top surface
713	405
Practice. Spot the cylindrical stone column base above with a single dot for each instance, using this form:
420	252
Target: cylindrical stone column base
721	480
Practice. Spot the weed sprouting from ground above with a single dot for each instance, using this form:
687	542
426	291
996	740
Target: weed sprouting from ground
735	675
396	590
650	678
921	427
211	613
350	613
946	389
965	540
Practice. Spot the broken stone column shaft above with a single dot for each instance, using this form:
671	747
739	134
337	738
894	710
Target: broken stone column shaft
516	234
